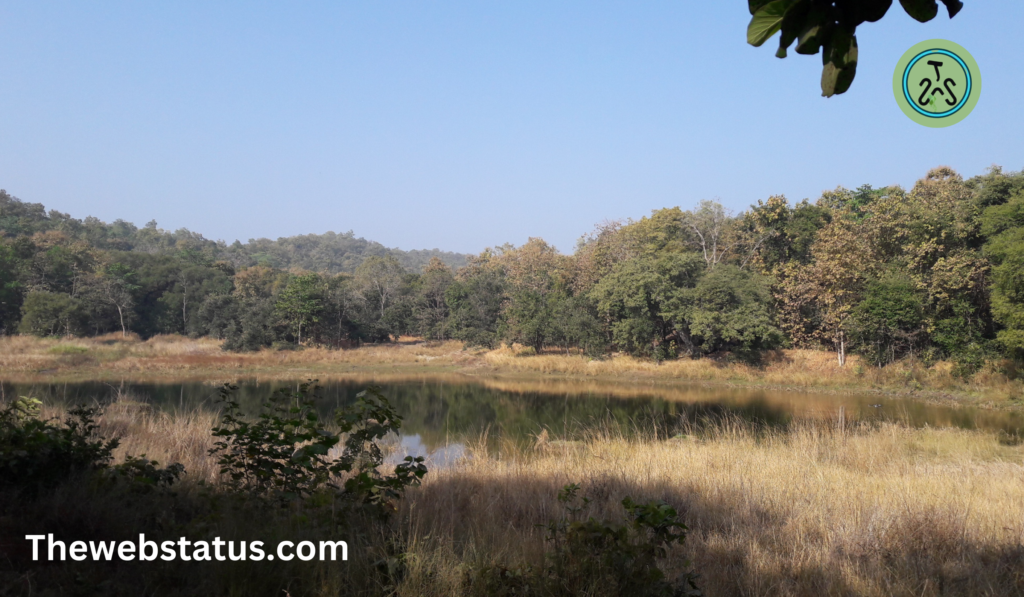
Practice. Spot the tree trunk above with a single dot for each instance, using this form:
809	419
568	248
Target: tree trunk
124	332
184	312
841	350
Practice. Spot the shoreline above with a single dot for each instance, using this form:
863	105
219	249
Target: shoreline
173	359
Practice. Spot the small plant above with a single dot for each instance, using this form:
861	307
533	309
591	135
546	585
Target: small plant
143	475
591	557
288	453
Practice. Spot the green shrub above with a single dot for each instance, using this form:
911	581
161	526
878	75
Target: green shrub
143	475
36	453
288	453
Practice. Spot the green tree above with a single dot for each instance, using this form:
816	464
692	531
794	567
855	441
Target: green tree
787	232
189	287
342	315
11	288
475	301
381	279
1007	253
1003	223
729	308
431	309
51	314
830	27
889	321
301	302
634	300
574	322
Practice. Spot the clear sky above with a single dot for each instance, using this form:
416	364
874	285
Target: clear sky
461	125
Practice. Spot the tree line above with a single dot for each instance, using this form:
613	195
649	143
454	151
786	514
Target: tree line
936	272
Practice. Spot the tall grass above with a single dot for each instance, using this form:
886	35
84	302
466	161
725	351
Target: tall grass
796	368
816	508
811	510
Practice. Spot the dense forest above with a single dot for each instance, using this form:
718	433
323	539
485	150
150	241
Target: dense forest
933	273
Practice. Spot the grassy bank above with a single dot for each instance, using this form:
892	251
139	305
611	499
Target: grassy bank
811	509
173	358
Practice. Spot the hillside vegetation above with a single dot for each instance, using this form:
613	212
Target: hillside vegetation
927	275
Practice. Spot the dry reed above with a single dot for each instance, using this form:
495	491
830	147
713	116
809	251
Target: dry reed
813	509
809	511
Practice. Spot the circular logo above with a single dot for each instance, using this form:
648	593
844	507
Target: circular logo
937	83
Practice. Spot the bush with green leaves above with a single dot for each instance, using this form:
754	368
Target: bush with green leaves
288	453
599	558
143	475
37	453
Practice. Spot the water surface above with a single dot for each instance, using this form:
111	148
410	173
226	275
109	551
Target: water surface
441	411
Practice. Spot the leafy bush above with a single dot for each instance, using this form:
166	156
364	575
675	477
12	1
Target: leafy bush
36	453
590	557
143	475
288	452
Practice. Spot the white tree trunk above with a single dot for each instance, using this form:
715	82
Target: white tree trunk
120	314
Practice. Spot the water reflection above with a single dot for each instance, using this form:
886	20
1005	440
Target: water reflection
441	457
442	412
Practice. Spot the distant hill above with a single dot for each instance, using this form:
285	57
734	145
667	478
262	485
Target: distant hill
329	252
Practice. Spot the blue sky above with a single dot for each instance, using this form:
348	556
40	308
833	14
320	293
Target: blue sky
460	125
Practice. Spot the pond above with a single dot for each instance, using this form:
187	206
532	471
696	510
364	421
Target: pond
442	411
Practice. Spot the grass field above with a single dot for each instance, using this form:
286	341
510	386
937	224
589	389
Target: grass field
812	509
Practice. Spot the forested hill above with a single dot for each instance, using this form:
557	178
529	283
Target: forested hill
330	252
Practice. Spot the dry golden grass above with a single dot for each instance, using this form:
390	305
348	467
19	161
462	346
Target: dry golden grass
26	358
809	510
782	368
167	437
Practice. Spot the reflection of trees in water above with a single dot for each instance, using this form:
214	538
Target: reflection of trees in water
446	412
442	412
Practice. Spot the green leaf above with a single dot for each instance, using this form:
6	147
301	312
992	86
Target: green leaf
841	49
873	10
810	40
792	24
953	7
921	10
838	72
767	21
755	5
837	78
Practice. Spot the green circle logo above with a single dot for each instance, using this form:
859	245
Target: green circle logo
937	83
